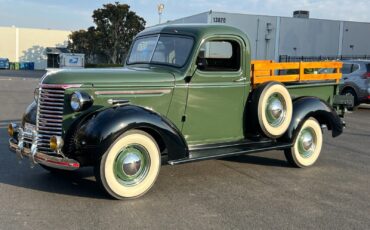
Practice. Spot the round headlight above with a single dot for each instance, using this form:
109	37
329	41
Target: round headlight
80	101
36	94
76	101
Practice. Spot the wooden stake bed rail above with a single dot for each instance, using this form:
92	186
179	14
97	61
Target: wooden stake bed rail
264	71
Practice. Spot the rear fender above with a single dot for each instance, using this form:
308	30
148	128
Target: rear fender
305	107
96	135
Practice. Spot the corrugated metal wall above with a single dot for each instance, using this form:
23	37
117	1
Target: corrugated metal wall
261	31
356	38
272	36
302	37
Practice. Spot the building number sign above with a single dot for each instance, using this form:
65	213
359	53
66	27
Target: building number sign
219	20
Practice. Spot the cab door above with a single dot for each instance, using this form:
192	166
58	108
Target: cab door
216	94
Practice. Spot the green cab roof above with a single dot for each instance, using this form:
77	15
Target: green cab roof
195	30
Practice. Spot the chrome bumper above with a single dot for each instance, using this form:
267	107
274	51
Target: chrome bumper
44	159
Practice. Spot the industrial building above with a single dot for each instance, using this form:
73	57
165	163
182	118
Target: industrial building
29	45
271	37
276	38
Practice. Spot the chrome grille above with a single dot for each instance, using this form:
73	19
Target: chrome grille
49	116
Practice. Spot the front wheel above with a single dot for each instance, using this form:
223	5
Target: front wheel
130	166
307	145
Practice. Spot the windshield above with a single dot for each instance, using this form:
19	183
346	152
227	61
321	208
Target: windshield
161	49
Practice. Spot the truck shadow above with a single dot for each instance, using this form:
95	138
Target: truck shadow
77	183
80	183
258	160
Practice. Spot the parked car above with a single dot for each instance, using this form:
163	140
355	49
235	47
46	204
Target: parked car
4	63
187	93
356	80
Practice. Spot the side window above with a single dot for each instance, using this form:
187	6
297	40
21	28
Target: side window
219	55
346	68
355	67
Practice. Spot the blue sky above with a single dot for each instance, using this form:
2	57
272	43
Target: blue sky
76	14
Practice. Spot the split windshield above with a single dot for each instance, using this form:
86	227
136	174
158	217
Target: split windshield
161	49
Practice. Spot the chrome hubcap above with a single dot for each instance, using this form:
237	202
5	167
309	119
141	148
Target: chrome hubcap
275	110
132	165
307	142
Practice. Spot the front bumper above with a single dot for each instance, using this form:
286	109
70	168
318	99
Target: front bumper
42	158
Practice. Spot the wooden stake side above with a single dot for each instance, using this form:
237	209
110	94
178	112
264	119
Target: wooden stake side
266	70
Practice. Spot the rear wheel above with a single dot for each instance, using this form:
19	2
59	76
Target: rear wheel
130	166
307	145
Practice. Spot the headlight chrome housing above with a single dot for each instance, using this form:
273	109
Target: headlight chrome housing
36	94
81	101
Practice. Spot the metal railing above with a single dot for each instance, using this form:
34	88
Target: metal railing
287	58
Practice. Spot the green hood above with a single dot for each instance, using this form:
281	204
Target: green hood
117	76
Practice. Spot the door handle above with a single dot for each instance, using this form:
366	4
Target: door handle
240	79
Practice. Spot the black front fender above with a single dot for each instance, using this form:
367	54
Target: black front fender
97	133
30	114
305	107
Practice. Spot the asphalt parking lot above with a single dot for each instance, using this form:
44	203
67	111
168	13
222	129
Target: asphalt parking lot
253	191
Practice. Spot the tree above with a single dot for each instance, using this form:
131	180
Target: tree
116	26
87	42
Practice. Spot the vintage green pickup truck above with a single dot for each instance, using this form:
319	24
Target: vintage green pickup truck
186	93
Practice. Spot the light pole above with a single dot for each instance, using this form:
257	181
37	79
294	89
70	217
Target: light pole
160	11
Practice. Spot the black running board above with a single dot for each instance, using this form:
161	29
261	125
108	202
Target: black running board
214	153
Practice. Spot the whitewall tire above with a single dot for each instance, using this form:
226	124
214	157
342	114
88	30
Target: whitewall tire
307	145
130	166
275	109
